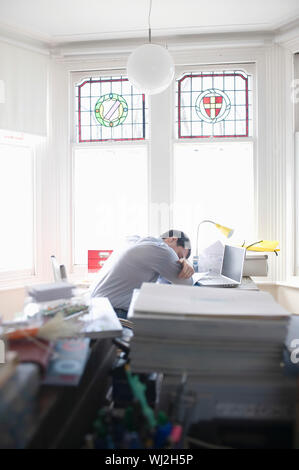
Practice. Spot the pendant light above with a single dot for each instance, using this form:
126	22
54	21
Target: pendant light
150	67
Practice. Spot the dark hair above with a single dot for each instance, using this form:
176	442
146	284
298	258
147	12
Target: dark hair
182	239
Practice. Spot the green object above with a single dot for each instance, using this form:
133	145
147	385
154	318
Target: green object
99	424
111	110
162	418
129	419
138	390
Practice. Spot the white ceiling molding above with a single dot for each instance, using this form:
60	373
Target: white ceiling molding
159	32
61	47
57	22
288	36
22	38
77	51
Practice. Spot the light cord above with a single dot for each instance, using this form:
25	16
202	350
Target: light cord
149	23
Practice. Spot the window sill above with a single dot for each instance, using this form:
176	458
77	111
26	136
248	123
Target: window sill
19	283
292	282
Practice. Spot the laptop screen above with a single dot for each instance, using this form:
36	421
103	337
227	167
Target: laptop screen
233	260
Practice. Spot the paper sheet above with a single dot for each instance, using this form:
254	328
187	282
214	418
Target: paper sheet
206	301
210	260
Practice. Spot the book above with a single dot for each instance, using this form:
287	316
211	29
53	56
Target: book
9	367
207	302
101	321
206	331
68	362
255	265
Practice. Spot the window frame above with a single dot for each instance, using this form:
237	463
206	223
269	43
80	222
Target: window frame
78	271
19	276
272	66
249	68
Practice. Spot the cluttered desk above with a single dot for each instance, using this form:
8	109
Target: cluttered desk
204	368
228	343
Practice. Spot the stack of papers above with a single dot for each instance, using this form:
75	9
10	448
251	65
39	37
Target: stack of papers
101	321
206	331
49	292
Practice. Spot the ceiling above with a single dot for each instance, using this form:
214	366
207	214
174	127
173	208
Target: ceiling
63	21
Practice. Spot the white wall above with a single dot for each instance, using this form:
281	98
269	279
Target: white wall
288	297
26	73
11	302
25	77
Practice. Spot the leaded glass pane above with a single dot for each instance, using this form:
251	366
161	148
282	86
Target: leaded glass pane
109	108
215	104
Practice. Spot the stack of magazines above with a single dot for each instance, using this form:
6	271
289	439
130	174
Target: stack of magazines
206	331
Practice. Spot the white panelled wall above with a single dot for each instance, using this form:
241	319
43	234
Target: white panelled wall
24	74
275	157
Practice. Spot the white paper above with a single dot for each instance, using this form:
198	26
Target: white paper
207	301
210	260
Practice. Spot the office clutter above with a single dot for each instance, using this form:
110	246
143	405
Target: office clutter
220	352
256	261
255	264
67	362
138	425
206	331
52	312
53	335
210	260
229	343
51	344
263	246
226	231
49	292
59	270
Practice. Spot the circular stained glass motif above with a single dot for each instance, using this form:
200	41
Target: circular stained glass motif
212	105
111	110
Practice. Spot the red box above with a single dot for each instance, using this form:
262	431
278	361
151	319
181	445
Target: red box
97	258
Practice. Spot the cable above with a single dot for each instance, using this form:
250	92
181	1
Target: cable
205	445
149	23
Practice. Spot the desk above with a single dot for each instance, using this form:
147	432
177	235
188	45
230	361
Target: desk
233	364
64	414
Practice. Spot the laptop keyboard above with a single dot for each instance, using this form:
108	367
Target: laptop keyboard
215	281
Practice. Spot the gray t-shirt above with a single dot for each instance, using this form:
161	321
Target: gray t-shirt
143	261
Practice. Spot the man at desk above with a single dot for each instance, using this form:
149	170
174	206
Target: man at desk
144	260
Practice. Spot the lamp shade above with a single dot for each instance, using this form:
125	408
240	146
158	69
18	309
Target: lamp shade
225	230
150	68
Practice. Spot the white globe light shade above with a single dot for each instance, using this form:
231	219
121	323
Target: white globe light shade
150	68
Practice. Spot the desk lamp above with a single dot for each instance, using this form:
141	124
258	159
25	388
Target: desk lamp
225	230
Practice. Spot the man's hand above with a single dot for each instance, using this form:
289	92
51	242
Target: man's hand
187	269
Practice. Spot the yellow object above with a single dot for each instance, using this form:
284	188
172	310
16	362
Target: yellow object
264	245
225	230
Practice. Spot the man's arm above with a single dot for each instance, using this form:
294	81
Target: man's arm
165	261
187	269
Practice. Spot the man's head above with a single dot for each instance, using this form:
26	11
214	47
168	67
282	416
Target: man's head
178	241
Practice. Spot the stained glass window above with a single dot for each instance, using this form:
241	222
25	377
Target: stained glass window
109	108
215	104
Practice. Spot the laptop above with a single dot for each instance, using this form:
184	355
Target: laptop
231	270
